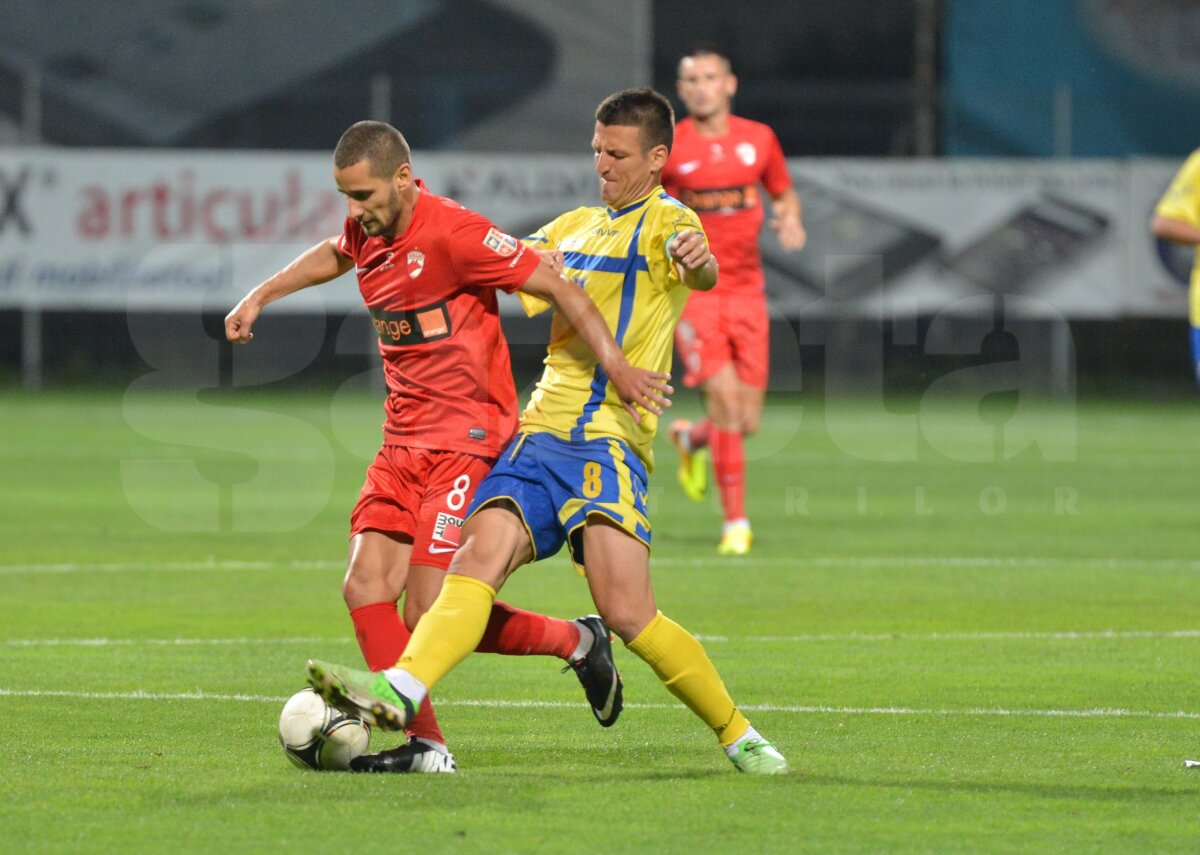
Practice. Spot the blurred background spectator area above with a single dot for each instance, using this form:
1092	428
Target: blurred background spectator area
949	140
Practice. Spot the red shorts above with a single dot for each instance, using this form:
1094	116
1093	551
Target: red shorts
422	494
716	330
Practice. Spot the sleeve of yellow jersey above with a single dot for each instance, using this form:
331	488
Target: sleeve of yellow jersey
1182	199
670	220
544	238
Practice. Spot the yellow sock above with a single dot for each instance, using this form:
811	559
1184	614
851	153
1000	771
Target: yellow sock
680	662
450	630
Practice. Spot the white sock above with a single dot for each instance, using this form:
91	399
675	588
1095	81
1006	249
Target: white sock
434	744
750	733
731	523
586	639
406	684
684	437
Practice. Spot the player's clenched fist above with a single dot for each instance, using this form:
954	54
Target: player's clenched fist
240	320
690	249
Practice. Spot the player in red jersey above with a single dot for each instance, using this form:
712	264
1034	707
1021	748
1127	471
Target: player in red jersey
716	168
428	270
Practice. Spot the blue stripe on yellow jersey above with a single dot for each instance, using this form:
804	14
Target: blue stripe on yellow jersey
621	258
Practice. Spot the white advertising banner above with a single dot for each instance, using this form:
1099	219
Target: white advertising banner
1159	271
911	237
1070	238
154	230
183	230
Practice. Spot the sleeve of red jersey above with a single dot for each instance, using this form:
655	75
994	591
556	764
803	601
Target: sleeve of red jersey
351	239
775	173
485	256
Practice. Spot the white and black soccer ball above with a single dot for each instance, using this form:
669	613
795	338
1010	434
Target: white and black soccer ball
314	735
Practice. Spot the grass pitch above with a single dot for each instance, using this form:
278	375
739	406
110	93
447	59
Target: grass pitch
968	631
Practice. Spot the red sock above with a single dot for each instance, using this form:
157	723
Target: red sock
516	632
382	637
698	436
729	464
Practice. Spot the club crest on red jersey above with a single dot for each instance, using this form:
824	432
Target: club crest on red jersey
500	243
747	153
416	263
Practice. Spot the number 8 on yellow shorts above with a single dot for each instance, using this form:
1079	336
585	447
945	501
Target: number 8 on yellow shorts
556	485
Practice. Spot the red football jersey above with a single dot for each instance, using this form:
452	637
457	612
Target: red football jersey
718	178
430	292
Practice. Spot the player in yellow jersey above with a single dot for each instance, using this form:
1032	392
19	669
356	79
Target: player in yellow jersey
1177	218
576	473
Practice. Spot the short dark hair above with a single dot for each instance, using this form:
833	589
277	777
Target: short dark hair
378	143
645	109
706	49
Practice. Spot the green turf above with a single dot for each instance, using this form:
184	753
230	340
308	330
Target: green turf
923	590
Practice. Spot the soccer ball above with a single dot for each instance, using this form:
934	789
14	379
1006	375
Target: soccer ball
316	736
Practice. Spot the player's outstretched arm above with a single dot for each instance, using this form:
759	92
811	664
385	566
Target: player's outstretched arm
786	221
1169	228
696	265
314	266
635	386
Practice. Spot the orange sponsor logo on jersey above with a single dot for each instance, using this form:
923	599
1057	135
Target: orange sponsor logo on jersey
720	198
433	322
395	330
414	326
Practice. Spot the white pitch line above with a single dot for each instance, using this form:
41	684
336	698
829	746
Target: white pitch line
167	642
801	561
501	704
893	711
1066	635
315	641
135	696
169	566
122	567
971	562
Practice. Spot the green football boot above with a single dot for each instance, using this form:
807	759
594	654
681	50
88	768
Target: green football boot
759	757
366	694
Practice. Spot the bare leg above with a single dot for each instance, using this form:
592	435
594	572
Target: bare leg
619	575
377	568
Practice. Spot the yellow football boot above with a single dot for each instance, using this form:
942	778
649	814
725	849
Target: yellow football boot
736	539
693	465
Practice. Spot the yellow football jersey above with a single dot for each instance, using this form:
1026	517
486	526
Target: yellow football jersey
621	258
1182	202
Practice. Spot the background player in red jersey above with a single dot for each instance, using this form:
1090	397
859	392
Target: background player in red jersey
428	270
716	167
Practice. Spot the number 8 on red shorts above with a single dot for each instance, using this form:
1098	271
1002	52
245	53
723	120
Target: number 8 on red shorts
420	494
